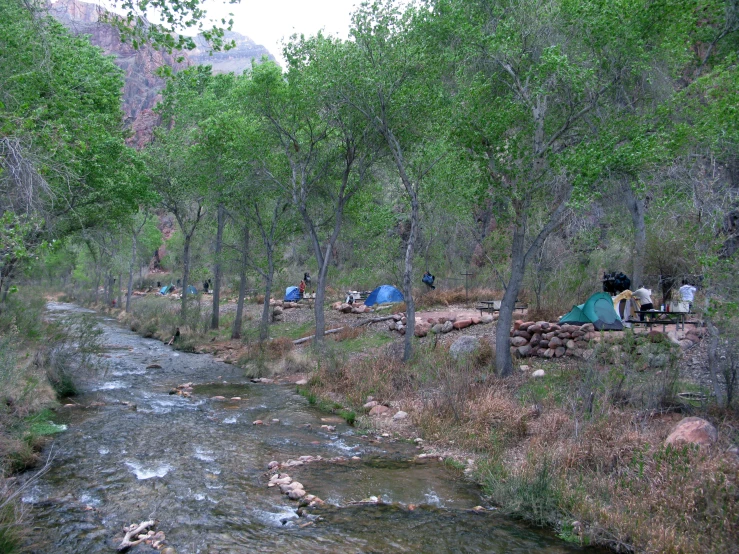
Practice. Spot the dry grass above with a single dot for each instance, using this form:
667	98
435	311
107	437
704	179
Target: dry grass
567	448
348	333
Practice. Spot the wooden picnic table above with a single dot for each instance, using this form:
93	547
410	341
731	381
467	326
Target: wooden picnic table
651	317
494	306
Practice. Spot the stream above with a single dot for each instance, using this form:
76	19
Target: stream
199	467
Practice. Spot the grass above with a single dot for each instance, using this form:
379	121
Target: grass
579	450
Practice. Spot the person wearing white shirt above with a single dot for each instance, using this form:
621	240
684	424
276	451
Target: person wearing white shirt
644	297
687	295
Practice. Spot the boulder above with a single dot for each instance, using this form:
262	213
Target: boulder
549	353
518	341
555	341
296	494
535	328
517	324
524	351
448	326
570	344
559	351
476	320
431	321
379	410
336	305
345	308
276	310
486	318
523	334
538	373
400	415
369	405
462	323
693	430
463	346
685	344
437	329
422	329
392	326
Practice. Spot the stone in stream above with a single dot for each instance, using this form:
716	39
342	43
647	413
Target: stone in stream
273	465
257	422
153	366
218	398
296	494
235	398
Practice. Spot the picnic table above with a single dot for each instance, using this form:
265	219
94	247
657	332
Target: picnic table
652	317
494	306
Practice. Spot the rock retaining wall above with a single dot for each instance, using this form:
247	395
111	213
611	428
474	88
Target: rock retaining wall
551	340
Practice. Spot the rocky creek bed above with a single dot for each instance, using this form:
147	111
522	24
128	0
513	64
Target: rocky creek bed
198	466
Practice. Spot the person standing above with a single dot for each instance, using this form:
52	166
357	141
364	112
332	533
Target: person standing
643	295
687	295
301	288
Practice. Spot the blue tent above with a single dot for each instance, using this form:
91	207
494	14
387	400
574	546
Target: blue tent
384	294
191	289
292	294
165	289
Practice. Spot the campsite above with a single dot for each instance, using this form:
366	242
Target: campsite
438	276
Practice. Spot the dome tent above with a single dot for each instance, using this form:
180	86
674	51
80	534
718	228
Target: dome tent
598	310
384	294
292	294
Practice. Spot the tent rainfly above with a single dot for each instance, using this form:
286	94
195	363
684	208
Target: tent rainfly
384	294
598	310
292	294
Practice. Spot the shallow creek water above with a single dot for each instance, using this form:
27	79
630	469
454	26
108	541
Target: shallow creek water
198	466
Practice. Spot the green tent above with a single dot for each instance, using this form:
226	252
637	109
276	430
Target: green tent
598	310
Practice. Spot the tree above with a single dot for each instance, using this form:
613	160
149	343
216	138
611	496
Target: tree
325	152
540	84
390	81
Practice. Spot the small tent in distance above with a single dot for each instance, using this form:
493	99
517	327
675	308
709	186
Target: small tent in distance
598	310
292	294
384	294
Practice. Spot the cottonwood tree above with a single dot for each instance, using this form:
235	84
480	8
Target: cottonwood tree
326	152
540	83
389	79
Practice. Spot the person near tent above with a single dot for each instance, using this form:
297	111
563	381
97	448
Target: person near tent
301	288
428	280
306	278
206	284
643	296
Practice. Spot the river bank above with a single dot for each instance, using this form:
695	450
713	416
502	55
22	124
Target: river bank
198	464
580	449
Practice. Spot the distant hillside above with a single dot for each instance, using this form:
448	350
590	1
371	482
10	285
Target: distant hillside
142	87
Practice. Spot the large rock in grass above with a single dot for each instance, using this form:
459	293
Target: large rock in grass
379	410
693	430
421	329
462	323
518	341
447	326
463	346
437	329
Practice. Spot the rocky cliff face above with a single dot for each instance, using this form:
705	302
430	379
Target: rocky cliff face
142	87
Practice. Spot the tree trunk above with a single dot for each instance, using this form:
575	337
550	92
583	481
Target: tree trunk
264	323
129	290
97	285
120	290
236	331
318	304
503	361
185	276
713	362
217	269
410	308
637	209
